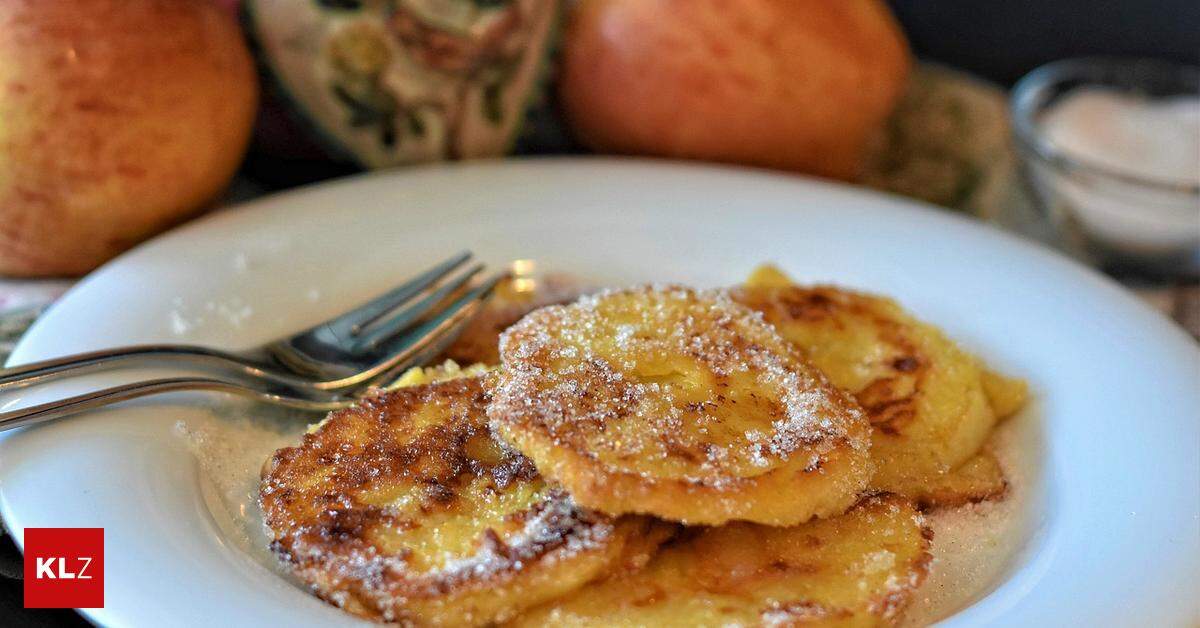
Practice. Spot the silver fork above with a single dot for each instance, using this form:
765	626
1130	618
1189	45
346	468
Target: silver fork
324	367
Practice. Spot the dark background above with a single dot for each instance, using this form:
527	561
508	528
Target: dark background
1004	39
997	39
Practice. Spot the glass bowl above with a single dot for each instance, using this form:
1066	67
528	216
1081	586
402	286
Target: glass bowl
1116	219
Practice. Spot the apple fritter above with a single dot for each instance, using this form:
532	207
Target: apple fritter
931	405
681	404
859	569
405	509
978	479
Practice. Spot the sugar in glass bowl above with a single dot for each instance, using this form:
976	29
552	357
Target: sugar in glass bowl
1111	150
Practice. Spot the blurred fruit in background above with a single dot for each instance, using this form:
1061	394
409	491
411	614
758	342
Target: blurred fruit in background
800	85
118	119
384	83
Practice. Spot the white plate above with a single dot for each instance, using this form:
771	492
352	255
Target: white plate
1116	534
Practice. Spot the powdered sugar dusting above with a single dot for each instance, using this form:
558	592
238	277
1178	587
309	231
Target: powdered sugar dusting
696	366
557	524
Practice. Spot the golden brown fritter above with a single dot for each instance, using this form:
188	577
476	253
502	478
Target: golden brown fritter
978	479
405	509
681	404
858	569
931	405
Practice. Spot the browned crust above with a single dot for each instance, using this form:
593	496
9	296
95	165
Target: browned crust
995	493
914	369
889	400
979	479
312	501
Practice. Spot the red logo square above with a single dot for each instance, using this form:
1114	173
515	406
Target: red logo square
64	567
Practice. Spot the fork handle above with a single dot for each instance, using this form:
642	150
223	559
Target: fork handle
49	411
61	368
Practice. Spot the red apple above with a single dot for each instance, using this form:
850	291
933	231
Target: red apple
793	84
120	119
